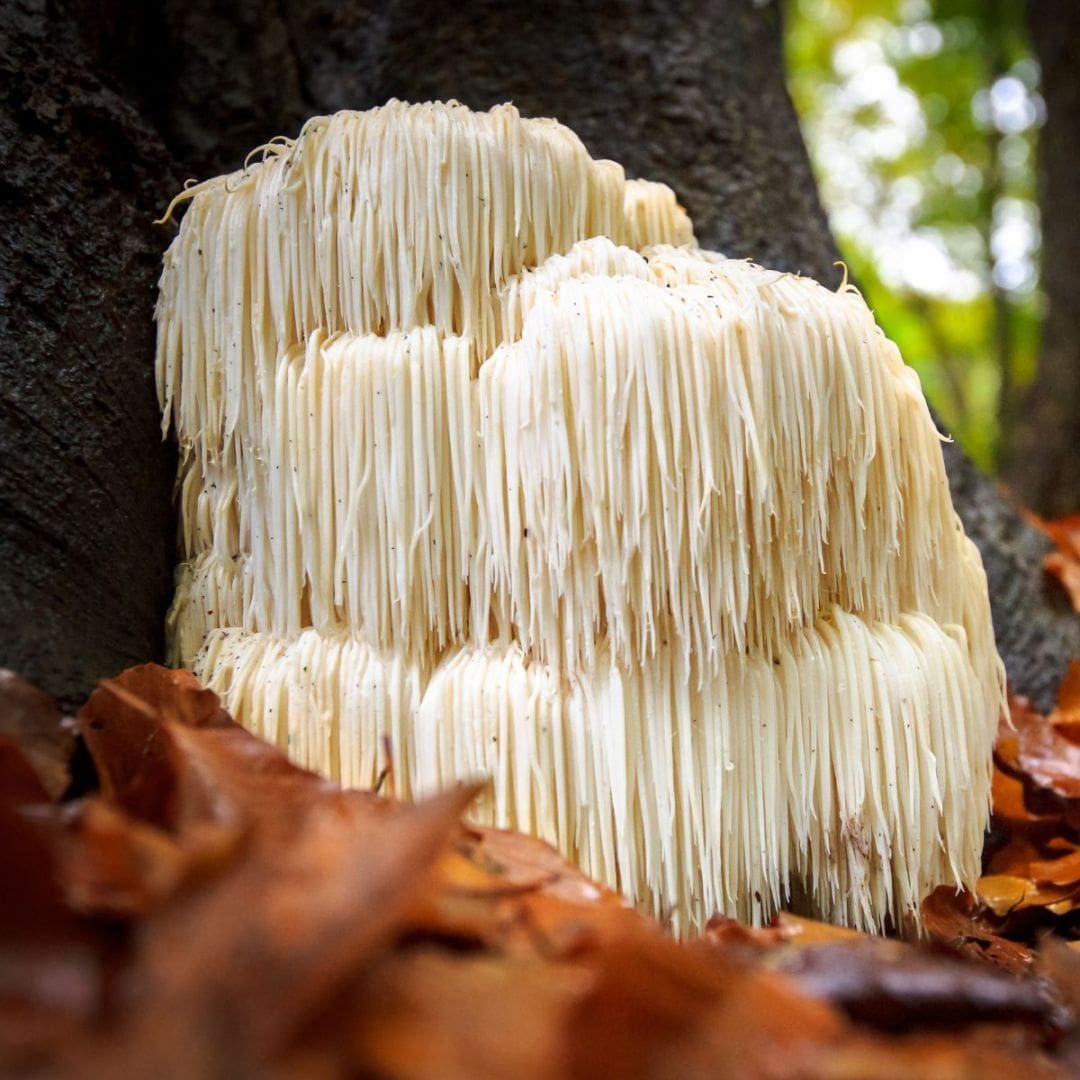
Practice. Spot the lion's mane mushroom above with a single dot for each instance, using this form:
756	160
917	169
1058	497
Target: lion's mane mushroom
480	453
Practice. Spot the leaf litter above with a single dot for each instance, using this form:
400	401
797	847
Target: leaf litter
213	910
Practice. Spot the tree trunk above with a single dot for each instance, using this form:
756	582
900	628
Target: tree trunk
1044	465
86	531
689	93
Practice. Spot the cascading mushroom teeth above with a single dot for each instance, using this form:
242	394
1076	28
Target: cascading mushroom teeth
484	459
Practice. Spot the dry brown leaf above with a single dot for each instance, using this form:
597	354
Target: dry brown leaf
434	1013
20	783
1046	756
1063	564
941	1058
526	862
659	1009
1011	809
1004	894
785	931
122	727
231	975
1068	696
31	722
954	919
1061	871
256	920
1065	569
53	964
1015	857
900	986
118	866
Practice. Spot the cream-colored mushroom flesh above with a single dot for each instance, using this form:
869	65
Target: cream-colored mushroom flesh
485	463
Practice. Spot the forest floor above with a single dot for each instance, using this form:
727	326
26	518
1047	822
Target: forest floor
205	908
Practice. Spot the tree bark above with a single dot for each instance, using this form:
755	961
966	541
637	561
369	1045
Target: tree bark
689	93
1043	466
86	531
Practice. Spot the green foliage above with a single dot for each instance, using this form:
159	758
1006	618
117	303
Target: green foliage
921	120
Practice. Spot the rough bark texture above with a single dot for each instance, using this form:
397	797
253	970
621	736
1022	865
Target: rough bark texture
690	93
86	535
1044	466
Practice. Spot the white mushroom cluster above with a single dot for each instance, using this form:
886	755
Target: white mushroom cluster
485	463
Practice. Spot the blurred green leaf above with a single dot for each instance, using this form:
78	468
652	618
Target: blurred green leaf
921	121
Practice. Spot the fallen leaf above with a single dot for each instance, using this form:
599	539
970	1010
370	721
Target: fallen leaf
1065	569
227	776
897	986
20	782
32	723
802	931
1065	532
524	862
1064	563
52	963
1010	808
122	727
231	976
1004	894
118	866
1062	871
1047	757
1014	859
218	911
434	1013
942	1057
659	1009
955	920
785	930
